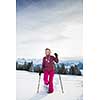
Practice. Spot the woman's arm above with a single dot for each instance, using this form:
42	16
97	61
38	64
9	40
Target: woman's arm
43	63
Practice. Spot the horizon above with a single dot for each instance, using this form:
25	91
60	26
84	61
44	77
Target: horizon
64	58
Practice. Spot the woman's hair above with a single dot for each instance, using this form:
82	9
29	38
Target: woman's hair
47	49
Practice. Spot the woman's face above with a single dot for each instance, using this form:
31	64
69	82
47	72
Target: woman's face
47	52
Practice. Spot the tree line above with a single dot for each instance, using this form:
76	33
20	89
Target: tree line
59	68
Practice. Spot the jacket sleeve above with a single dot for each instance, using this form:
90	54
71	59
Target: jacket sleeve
56	59
43	63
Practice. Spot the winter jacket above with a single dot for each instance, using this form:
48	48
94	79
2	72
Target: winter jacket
48	62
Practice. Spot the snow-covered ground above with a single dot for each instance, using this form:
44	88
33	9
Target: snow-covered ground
26	87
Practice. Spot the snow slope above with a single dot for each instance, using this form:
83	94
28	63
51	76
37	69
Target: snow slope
26	87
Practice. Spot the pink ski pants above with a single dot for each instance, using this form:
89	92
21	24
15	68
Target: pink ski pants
48	79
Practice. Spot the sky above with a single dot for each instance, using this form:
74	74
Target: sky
54	24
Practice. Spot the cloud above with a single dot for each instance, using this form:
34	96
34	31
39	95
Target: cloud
49	23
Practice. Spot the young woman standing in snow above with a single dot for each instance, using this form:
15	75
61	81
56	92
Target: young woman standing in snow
48	68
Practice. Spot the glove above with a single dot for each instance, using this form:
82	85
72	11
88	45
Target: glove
40	71
56	55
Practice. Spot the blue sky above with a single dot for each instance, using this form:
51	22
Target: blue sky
56	24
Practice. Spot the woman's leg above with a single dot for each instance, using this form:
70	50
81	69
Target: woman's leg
46	77
51	75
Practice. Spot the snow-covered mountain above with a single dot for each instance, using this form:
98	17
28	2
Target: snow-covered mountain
66	61
26	87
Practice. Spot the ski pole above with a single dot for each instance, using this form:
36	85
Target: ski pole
60	79
39	82
61	83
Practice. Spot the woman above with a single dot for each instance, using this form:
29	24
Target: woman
48	68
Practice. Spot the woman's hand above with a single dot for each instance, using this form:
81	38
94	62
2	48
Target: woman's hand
56	55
